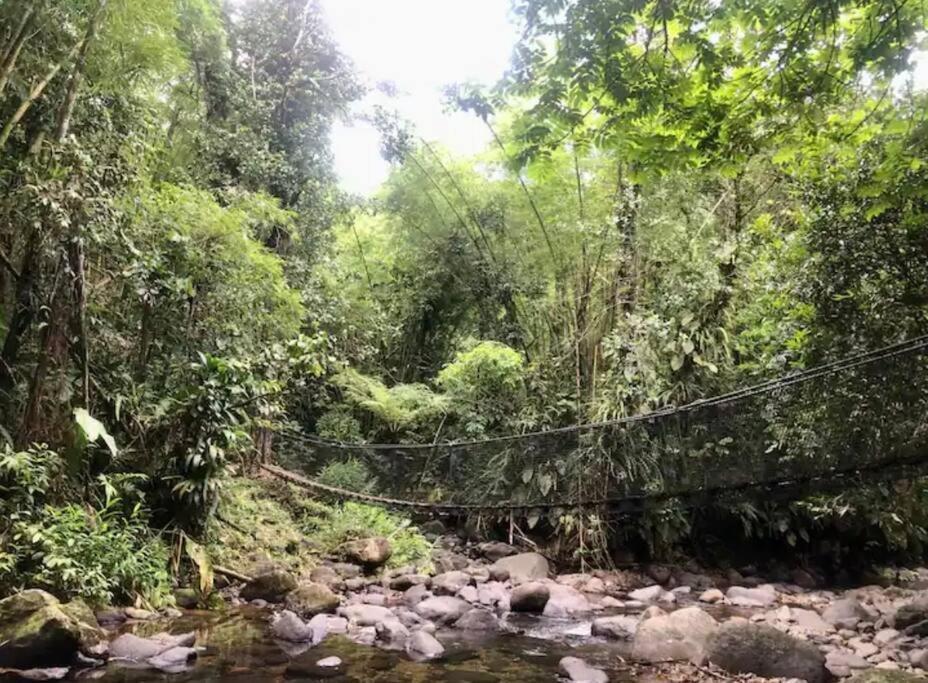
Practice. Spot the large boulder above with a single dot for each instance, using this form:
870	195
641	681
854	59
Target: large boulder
580	672
347	571
37	631
844	613
449	583
495	550
495	594
272	586
524	567
762	596
442	609
447	561
742	647
648	594
416	594
477	619
133	648
620	627
911	612
287	626
404	582
680	635
365	615
370	552
565	602
392	633
310	599
173	660
529	597
327	576
422	645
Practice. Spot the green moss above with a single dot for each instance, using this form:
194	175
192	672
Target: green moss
329	526
254	527
877	676
270	521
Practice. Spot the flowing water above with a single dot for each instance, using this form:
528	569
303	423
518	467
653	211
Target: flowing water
239	648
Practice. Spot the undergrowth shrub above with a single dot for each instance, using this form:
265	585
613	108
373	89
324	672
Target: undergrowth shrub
328	526
338	424
257	523
331	526
25	478
396	410
351	474
102	552
101	556
485	386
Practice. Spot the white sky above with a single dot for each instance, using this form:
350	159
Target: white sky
421	46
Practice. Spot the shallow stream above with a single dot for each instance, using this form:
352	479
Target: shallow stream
238	647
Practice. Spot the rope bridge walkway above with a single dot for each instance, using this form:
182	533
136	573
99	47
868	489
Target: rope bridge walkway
860	419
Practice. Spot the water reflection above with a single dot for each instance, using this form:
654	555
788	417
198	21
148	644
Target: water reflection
237	648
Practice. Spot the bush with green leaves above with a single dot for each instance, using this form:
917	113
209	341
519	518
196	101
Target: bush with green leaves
397	410
331	526
101	556
25	478
351	474
338	424
485	386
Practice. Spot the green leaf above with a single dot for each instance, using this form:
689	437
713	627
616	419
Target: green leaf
533	519
527	475
676	362
92	429
545	482
200	558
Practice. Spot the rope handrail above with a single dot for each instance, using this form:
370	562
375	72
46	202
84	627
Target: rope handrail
840	365
831	476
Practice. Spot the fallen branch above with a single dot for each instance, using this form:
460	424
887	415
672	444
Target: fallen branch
232	574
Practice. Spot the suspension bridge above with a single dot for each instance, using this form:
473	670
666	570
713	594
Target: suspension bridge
853	421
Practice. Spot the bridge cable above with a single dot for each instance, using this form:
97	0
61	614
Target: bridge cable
848	363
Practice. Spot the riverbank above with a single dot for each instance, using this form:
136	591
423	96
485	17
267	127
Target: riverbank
477	603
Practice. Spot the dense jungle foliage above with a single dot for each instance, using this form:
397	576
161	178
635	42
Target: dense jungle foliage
681	197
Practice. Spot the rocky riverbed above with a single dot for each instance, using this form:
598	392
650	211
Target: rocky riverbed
651	624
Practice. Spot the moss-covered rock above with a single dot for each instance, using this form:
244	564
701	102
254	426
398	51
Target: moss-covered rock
310	599
187	598
369	552
80	611
272	586
885	676
38	631
742	647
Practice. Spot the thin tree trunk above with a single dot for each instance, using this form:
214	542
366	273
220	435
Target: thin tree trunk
77	73
79	315
144	342
52	339
36	93
11	54
23	313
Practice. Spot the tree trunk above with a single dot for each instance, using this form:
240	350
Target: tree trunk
54	345
77	74
79	315
24	309
18	39
145	340
35	94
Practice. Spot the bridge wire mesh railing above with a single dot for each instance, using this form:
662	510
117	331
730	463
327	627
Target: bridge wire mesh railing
816	428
